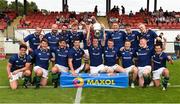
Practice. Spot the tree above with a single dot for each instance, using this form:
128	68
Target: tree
3	4
30	7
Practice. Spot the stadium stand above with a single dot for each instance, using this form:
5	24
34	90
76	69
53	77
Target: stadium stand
158	20
45	20
6	17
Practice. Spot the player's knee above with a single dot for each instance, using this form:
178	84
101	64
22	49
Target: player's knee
39	72
135	70
166	72
121	69
27	73
146	72
54	70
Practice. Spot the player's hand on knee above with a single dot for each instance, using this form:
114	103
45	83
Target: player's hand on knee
15	72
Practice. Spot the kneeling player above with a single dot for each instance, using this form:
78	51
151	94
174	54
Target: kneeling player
144	54
61	61
159	66
110	55
127	55
18	67
42	57
75	56
96	61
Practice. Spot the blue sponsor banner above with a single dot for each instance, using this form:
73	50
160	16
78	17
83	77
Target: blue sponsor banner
120	80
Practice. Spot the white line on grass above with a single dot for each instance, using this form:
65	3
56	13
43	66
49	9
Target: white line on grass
78	96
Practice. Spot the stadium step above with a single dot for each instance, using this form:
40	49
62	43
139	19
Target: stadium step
103	20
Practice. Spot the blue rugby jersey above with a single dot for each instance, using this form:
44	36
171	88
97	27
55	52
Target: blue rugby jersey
61	56
144	56
42	58
18	62
76	55
133	37
127	57
150	36
33	40
110	55
95	54
159	60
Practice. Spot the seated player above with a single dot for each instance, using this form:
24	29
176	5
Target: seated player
127	55
159	66
110	55
95	52
144	54
18	67
61	61
75	56
42	57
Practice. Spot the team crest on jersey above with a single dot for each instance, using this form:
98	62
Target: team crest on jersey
75	54
17	61
66	51
34	38
49	37
39	53
148	35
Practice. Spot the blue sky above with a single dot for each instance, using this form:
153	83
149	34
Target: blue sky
88	5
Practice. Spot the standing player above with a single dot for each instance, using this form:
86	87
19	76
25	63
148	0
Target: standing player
159	66
110	55
74	34
18	67
33	40
53	37
63	35
127	55
150	35
75	56
132	36
144	54
42	57
61	61
117	36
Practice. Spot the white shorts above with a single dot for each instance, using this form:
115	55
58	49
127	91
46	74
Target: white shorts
129	69
157	73
79	69
112	68
62	68
96	69
141	70
45	72
16	76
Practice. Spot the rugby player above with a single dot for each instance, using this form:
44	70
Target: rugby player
18	67
42	57
61	61
127	55
75	56
159	66
110	56
144	54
